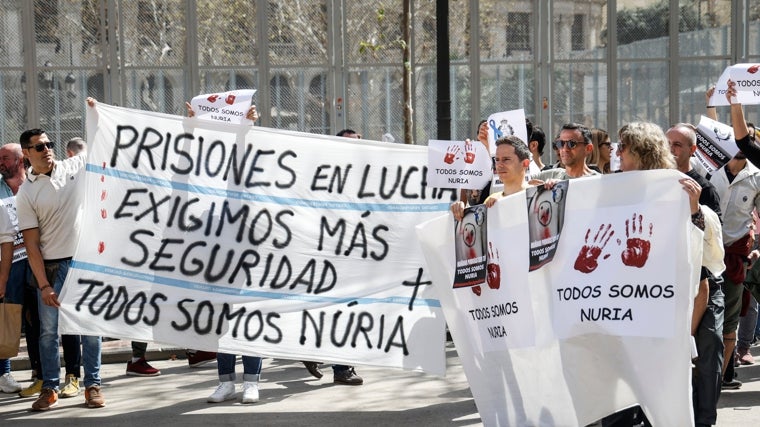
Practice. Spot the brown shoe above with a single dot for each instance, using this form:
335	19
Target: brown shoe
347	377
48	399
313	368
93	398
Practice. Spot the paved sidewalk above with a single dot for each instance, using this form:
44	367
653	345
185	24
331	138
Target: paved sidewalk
290	396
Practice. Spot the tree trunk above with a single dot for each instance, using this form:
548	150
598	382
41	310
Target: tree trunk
407	80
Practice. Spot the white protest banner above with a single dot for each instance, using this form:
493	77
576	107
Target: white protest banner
19	249
504	124
609	315
228	107
248	240
458	164
747	80
715	144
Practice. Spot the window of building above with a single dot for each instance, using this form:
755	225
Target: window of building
46	22
576	33
518	32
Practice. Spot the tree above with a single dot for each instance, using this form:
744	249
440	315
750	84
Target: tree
379	40
651	22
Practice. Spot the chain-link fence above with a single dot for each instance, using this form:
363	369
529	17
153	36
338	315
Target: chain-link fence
321	66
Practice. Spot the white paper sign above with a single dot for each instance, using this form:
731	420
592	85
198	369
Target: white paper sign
458	164
248	240
715	144
19	249
747	80
504	124
227	107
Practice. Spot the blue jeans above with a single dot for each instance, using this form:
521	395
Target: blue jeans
225	364
14	293
709	365
49	355
747	324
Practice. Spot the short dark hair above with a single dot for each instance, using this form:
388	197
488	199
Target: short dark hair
540	137
521	149
529	129
26	136
345	132
585	132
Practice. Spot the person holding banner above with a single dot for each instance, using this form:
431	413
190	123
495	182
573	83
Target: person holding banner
474	197
707	317
574	146
49	210
342	374
644	146
512	159
738	184
13	290
12	295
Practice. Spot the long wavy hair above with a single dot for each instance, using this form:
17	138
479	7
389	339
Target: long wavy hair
647	144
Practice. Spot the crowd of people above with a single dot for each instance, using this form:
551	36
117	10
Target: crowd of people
47	195
723	205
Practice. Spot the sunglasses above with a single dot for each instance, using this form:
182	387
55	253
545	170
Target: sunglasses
569	144
605	144
621	147
41	146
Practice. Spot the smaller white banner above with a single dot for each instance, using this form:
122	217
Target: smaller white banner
458	164
747	80
504	124
715	144
228	107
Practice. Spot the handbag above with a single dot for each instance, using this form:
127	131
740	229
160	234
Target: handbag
10	329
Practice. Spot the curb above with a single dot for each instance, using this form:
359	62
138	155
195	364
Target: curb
118	355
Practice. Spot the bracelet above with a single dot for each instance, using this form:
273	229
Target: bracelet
45	287
709	106
698	219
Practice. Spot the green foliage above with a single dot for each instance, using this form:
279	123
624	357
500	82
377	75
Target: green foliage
643	23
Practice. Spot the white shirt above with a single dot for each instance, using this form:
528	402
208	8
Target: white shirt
53	204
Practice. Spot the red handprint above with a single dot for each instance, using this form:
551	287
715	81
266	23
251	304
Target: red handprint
452	153
230	99
636	252
493	270
213	98
469	152
476	290
587	257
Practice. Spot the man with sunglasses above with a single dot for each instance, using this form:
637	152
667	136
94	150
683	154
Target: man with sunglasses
49	217
574	145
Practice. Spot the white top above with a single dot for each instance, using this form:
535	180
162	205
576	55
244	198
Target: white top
737	199
7	229
53	204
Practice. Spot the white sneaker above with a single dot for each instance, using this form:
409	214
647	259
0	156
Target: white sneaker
250	392
225	391
8	384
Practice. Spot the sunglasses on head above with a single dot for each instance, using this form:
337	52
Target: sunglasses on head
569	144
41	146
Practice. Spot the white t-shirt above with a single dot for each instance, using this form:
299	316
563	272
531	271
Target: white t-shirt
53	204
7	229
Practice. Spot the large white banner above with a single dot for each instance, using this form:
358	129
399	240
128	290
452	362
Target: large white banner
247	240
601	326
